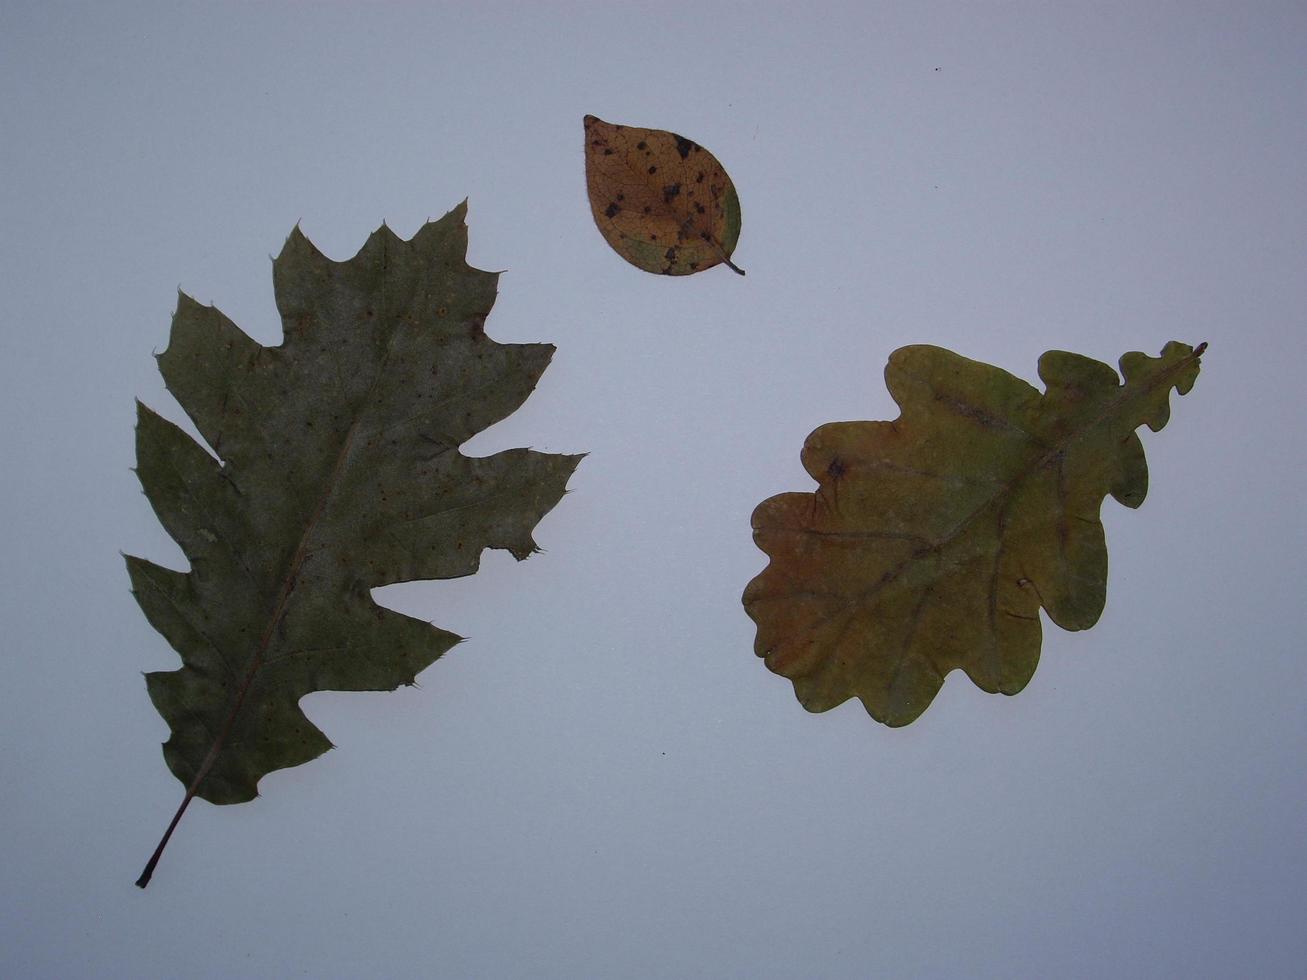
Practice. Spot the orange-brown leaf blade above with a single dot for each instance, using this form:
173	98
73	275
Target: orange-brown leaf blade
663	202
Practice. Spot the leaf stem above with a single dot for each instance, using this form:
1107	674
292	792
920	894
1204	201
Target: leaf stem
287	587
218	743
148	873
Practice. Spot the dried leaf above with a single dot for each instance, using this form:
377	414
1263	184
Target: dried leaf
662	201
338	471
932	541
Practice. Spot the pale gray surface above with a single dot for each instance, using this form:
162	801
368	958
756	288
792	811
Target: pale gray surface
605	781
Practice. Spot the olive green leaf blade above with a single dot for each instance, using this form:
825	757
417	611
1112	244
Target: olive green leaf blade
661	201
337	471
933	540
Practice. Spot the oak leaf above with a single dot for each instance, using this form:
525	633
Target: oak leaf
933	540
661	201
337	472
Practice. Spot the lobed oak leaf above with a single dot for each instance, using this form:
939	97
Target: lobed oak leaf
933	540
661	201
338	471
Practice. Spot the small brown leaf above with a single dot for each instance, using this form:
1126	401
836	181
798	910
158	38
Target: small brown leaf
662	201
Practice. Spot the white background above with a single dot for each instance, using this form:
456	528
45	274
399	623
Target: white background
605	781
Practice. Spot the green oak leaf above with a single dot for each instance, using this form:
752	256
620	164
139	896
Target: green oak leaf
933	540
338	471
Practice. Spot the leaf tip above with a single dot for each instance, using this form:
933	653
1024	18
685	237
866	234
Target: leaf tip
296	237
457	214
186	300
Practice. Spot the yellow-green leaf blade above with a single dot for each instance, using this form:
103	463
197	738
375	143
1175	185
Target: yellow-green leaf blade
932	541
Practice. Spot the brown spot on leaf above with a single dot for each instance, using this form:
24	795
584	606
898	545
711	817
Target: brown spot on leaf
613	210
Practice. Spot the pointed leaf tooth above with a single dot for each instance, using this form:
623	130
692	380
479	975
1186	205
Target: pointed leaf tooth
358	646
207	367
168	601
198	507
419	416
439	530
445	237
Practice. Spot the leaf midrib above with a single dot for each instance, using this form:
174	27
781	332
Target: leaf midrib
298	557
